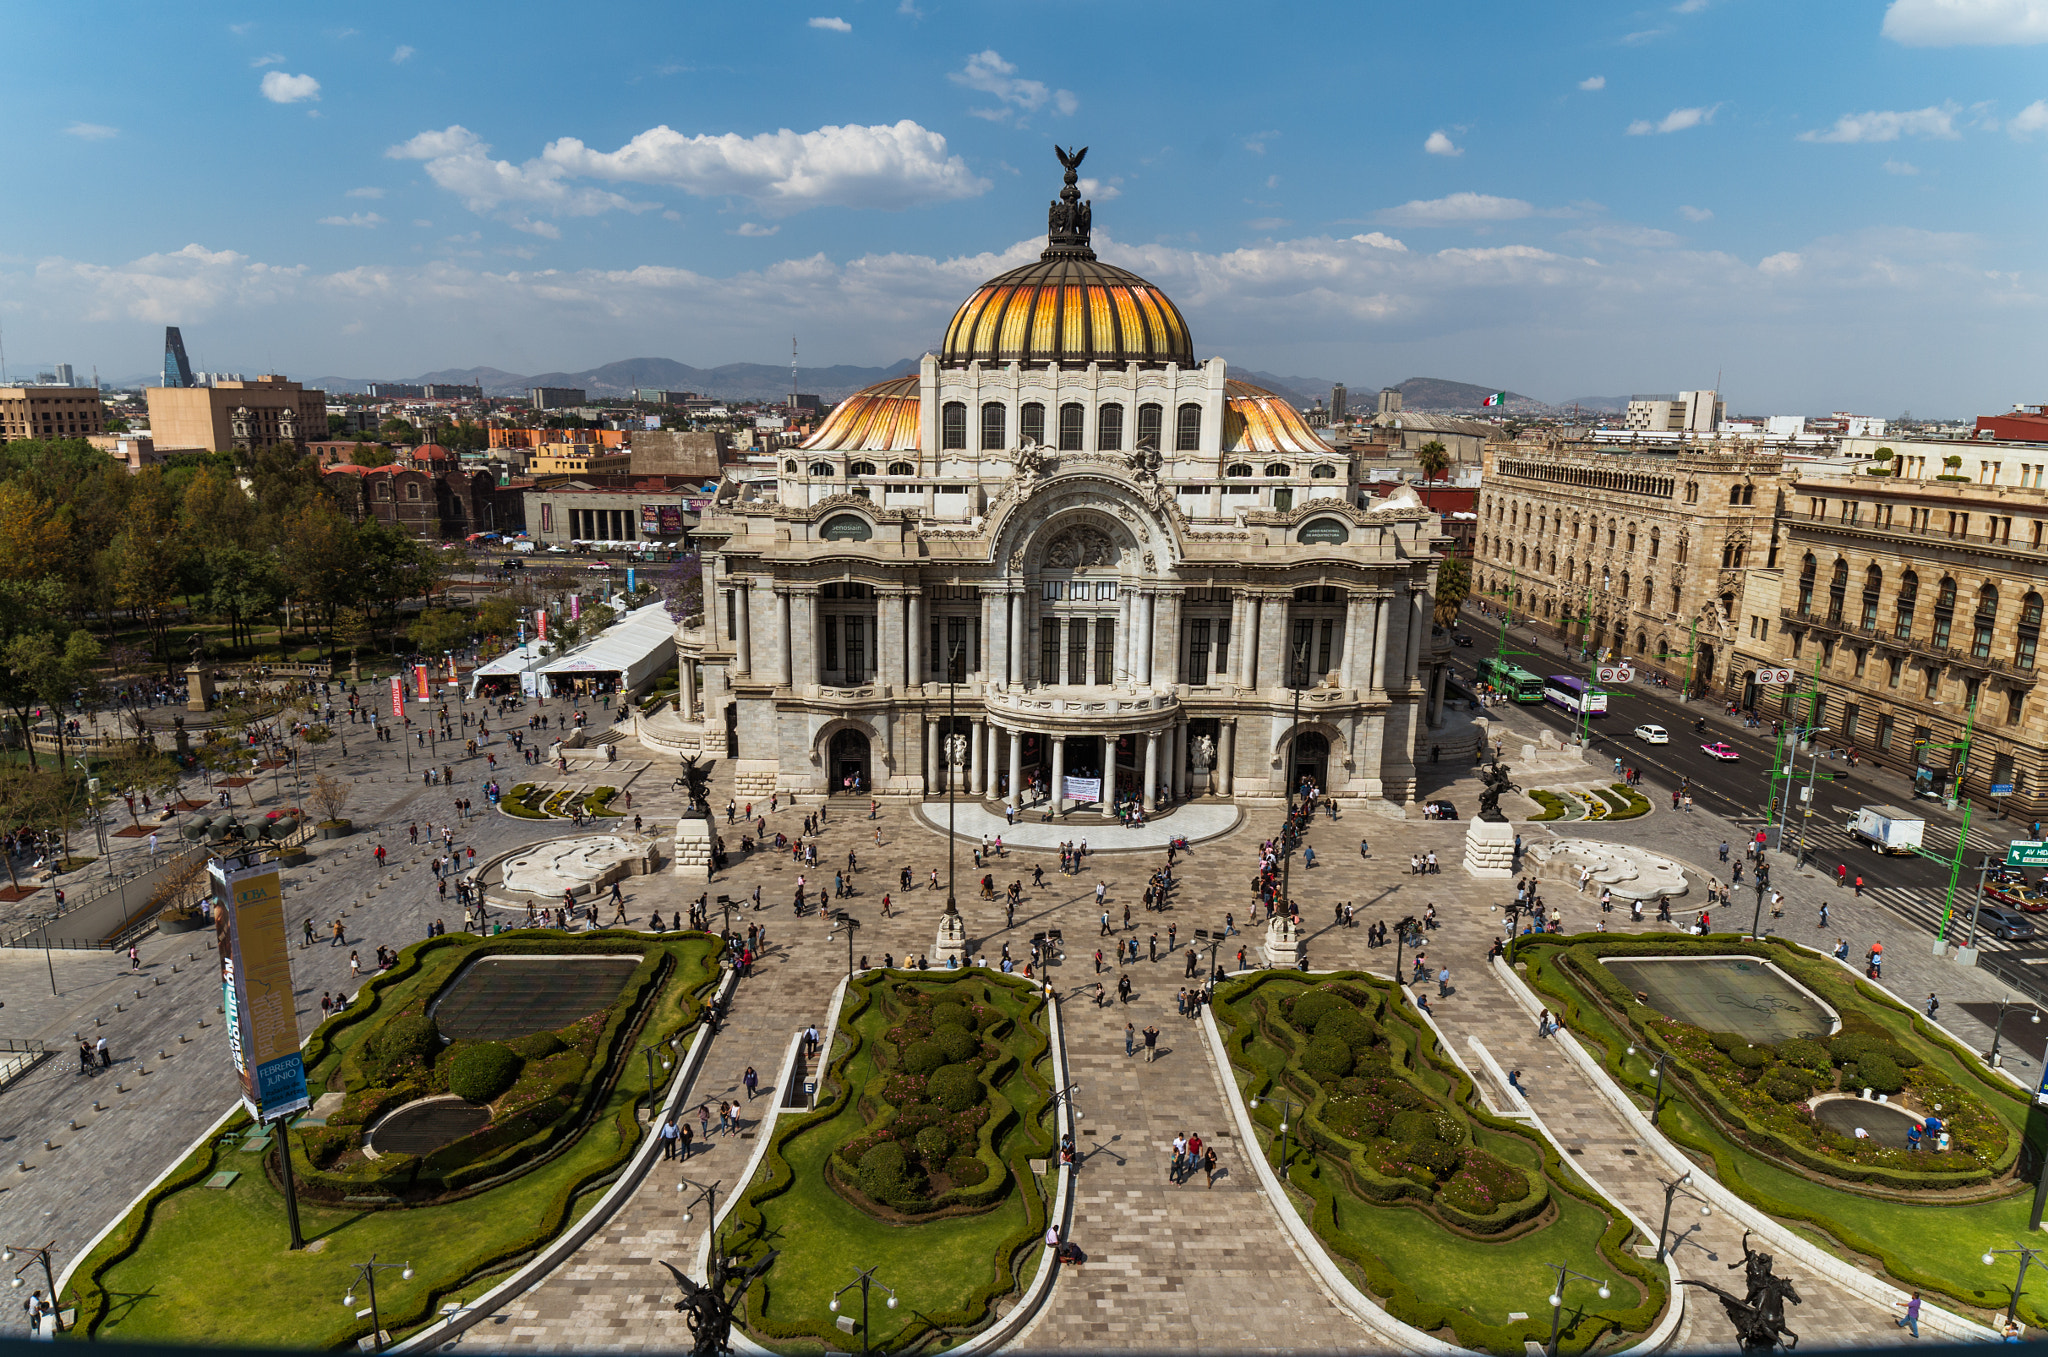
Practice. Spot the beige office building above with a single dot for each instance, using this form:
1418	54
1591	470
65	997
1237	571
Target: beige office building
229	415
51	412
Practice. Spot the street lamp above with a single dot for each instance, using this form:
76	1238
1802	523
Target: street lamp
1955	867
366	1276
840	916
38	1253
1657	1068
1812	775
1299	675
1287	1109
1404	936
707	1193
1998	1032
666	1063
1557	1300
1757	920
865	1281
1671	1190
953	662
2026	1257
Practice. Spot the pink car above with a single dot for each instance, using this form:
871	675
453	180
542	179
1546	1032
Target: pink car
1722	751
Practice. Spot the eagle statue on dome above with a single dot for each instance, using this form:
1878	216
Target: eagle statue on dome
1067	221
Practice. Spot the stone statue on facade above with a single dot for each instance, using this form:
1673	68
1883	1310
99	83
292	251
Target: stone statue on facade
956	751
1204	753
1027	464
694	782
1067	220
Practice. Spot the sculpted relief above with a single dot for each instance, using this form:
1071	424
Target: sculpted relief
1080	546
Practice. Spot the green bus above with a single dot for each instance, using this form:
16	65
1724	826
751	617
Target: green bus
1510	679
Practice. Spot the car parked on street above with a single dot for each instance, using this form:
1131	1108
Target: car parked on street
1722	750
1652	734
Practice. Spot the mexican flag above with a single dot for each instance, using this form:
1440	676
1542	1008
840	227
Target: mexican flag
1497	398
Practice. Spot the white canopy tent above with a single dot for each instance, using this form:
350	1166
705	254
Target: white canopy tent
637	648
525	659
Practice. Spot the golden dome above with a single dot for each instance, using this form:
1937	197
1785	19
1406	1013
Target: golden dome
1069	308
880	418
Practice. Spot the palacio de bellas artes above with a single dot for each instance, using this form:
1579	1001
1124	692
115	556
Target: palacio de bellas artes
1068	562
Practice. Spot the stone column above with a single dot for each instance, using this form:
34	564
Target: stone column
1436	694
1418	632
1248	644
1276	659
1151	769
813	667
1226	757
1354	611
1018	640
977	767
918	641
1015	797
996	608
1151	611
687	672
1379	644
785	647
931	758
1177	779
744	642
1167	642
891	642
1059	774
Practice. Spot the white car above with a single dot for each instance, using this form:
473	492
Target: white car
1653	734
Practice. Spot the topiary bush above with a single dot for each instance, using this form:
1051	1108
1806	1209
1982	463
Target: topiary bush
1879	1073
1327	1059
481	1072
955	1087
539	1046
922	1057
1308	1009
404	1044
886	1174
957	1042
952	1015
1351	1027
934	1143
1803	1053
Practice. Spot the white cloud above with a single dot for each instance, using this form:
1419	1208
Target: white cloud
834	24
364	193
1885	125
1971	23
402	54
1439	144
1256	142
988	73
1780	265
280	88
1380	242
1092	189
1690	6
268	59
749	228
1269	223
2029	120
1696	213
1625	234
885	166
1593	82
1457	209
1677	120
366	219
92	131
1901	167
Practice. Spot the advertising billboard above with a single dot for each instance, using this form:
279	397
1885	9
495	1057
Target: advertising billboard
397	698
671	520
650	520
256	987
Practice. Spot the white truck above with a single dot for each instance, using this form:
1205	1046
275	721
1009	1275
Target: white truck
1887	829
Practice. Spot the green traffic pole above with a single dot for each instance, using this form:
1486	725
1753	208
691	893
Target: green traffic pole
1955	867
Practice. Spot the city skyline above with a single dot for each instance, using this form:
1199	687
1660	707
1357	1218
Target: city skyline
1589	203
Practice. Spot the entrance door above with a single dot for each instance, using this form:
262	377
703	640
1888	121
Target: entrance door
1311	760
849	764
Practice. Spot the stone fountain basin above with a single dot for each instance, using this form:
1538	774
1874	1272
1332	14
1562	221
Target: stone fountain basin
1631	873
579	866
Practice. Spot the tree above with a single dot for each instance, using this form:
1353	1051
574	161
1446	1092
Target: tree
33	802
1453	586
371	454
33	539
351	632
330	796
498	616
56	675
1433	457
439	629
320	559
397	428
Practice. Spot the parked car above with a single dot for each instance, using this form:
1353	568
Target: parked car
599	566
2005	924
1653	734
1722	750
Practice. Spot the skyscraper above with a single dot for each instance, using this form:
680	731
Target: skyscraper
1337	395
177	367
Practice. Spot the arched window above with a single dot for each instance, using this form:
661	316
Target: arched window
1149	419
1749	494
994	426
1610	534
1909	598
1279	469
860	469
1631	539
1981	625
2027	637
1735	494
790	466
902	468
1323	471
1238	469
821	468
1649	592
1109	428
1838	588
1944	612
1073	426
1655	541
1873	588
1663	650
1642	642
953	426
1187	432
1807	569
412	490
1625	585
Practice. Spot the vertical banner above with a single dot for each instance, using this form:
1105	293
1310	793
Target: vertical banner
419	675
630	586
540	620
575	607
397	699
256	988
452	675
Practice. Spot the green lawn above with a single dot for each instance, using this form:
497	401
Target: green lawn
1932	1244
1427	1267
945	1271
192	1264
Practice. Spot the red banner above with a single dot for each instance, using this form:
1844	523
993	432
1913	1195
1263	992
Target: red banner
420	677
397	698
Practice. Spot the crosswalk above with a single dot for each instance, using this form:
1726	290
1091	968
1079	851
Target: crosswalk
1827	844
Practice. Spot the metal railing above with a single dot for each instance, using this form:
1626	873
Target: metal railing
105	886
22	1046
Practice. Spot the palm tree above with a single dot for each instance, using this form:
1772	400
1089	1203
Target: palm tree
1434	458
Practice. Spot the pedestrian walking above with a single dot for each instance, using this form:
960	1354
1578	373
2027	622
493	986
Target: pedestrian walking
1130	1038
1443	983
1912	1315
753	1082
1932	1003
670	1133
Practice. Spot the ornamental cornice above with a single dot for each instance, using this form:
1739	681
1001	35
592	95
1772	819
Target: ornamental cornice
831	504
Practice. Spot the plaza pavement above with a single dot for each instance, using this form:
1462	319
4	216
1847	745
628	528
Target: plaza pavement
1164	1269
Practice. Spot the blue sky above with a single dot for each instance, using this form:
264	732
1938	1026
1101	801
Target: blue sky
1834	205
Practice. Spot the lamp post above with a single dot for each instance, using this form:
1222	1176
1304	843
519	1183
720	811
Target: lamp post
1287	1110
1403	937
38	1253
953	661
1656	1068
866	1281
707	1193
366	1276
1757	920
1671	1190
653	1094
1998	1032
840	916
2026	1257
1977	902
1557	1300
1299	676
1812	775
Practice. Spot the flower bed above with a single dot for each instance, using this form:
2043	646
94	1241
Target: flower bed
915	1161
1448	1215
